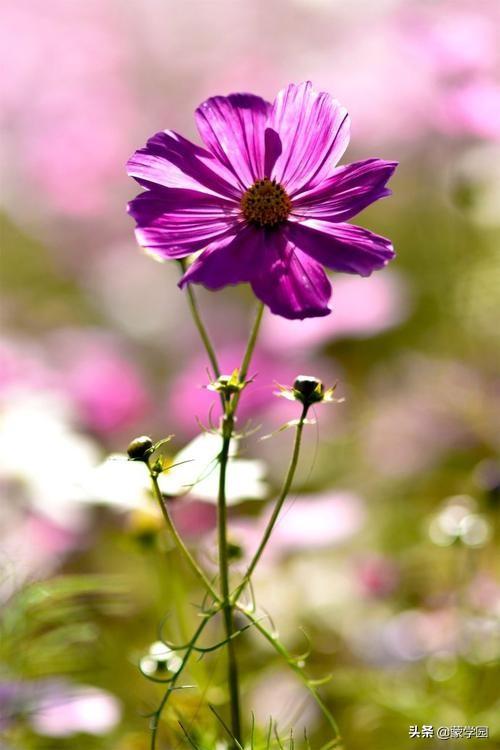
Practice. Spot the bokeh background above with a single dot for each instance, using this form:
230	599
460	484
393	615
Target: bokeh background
387	555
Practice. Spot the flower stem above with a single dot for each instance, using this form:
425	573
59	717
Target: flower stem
230	407
172	685
195	312
179	542
251	342
278	505
233	678
293	663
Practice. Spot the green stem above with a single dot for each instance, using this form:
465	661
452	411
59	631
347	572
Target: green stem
230	408
193	306
278	505
292	663
233	678
179	542
171	687
251	342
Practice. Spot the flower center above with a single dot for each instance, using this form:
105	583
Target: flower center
266	203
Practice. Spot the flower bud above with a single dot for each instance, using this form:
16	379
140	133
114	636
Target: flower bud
140	448
227	384
308	389
234	551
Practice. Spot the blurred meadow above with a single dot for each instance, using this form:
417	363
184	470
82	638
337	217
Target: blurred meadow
385	564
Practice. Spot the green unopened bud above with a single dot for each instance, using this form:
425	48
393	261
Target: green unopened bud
140	448
308	389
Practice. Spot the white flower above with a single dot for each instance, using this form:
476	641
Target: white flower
194	471
40	448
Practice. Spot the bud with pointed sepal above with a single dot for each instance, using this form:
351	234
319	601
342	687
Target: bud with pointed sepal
140	448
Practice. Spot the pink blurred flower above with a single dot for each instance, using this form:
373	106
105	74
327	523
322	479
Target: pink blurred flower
73	710
22	366
408	636
428	408
456	40
414	634
428	52
473	109
193	518
484	594
89	369
409	98
377	575
279	696
461	45
106	387
65	63
322	520
307	522
361	308
33	546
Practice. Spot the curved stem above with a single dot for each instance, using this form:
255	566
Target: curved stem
292	663
193	306
179	542
278	505
190	648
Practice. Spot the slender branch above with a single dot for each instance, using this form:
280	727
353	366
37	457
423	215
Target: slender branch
278	505
195	312
171	687
179	542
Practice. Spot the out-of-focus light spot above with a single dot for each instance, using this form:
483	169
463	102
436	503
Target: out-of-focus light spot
148	665
475	184
441	666
475	531
437	535
458	521
446	526
481	640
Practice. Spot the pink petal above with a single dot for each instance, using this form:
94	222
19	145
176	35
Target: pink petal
341	247
233	129
314	133
291	283
351	188
175	223
230	260
172	161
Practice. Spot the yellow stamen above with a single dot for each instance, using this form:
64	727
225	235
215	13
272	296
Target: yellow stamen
266	203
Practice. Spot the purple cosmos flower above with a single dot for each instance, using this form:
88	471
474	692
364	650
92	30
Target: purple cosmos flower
265	201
